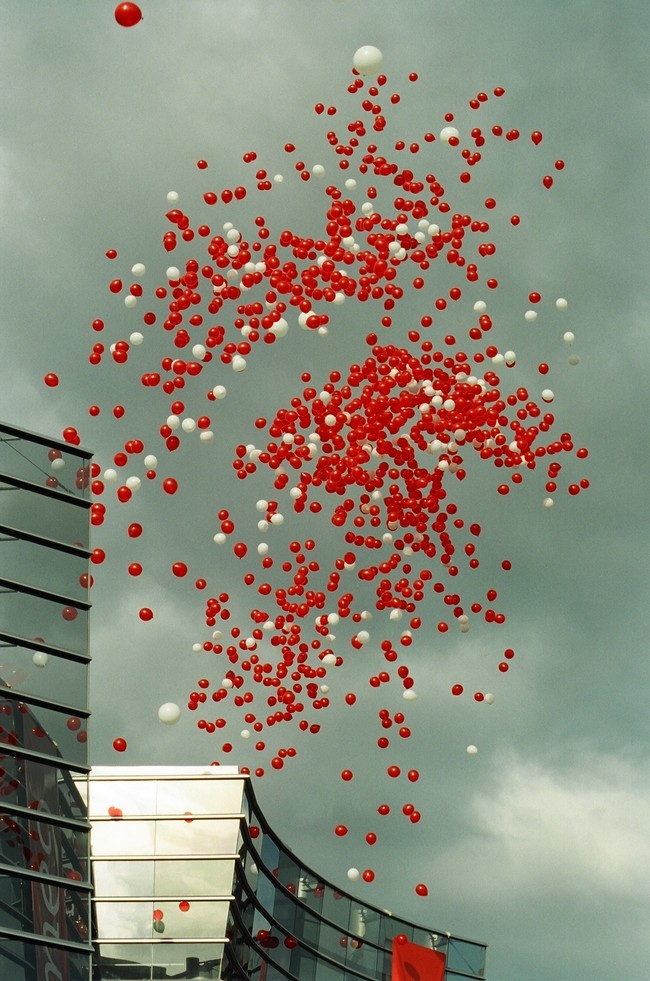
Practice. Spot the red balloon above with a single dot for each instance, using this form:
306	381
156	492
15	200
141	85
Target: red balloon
170	485
128	14
421	889
368	875
146	613
346	775
119	745
340	830
51	380
179	569
240	550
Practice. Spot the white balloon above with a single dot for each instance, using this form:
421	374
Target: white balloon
136	338
133	483
139	269
353	874
58	463
262	548
197	647
368	60
151	461
573	359
130	301
110	475
409	695
245	733
188	425
472	750
173	273
448	132
569	337
530	316
489	698
480	306
172	197
219	391
238	363
40	658
219	538
510	358
548	502
169	713
280	328
547	395
318	170
561	303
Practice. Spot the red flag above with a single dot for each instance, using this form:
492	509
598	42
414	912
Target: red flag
411	962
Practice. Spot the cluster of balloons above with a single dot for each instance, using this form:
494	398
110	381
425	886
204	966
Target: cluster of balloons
376	449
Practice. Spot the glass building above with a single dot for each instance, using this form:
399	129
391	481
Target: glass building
191	882
45	886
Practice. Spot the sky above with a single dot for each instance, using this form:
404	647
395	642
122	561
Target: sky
537	843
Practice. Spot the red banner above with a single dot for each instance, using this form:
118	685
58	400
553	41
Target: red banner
411	962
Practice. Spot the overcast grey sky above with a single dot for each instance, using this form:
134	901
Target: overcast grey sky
537	844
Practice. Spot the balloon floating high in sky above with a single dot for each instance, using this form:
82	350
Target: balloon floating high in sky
371	452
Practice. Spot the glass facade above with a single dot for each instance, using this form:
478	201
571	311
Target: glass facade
191	882
45	884
164	846
288	922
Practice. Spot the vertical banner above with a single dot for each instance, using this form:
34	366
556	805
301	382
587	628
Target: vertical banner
411	962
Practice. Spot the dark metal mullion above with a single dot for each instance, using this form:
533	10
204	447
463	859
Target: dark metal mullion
30	536
51	492
45	594
14	640
44	703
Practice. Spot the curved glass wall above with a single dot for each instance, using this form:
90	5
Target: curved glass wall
289	922
45	886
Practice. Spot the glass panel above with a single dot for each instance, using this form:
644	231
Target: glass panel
199	960
44	675
45	515
46	568
49	466
47	620
124	921
45	909
130	796
47	847
203	796
189	877
24	962
195	837
51	734
165	920
129	838
124	878
466	957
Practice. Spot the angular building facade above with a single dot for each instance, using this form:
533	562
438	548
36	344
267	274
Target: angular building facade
45	886
191	882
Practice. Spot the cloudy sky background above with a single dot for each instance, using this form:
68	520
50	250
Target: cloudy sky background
537	845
